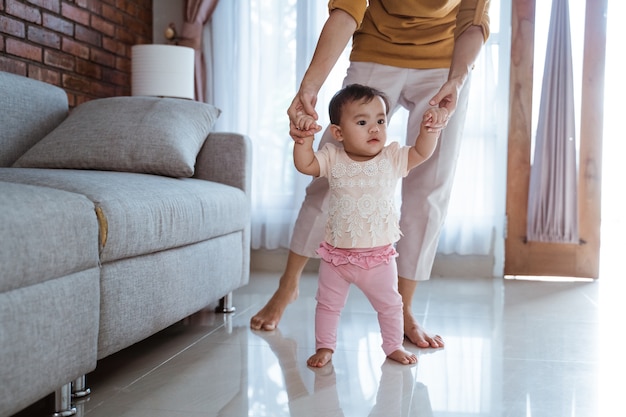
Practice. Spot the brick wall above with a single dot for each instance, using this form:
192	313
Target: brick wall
83	46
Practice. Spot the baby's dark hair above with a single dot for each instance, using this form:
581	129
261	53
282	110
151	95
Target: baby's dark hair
350	94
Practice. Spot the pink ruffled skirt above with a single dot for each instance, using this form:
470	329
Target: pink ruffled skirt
365	258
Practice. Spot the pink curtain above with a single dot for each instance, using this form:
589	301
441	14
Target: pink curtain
553	191
197	13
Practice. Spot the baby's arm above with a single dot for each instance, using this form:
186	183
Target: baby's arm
304	157
426	141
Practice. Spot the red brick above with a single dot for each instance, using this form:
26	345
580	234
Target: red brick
102	57
12	27
75	14
58	24
135	26
44	74
80	99
59	60
24	12
126	36
79	50
71	100
82	45
89	69
145	4
115	77
12	65
120	4
145	16
123	64
52	5
44	37
103	90
131	8
76	83
94	6
88	35
112	14
113	46
102	26
23	49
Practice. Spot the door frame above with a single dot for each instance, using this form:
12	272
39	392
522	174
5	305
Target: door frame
523	257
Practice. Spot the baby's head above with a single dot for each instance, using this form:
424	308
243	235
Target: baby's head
350	94
358	116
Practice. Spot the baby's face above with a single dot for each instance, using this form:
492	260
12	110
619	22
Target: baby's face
364	128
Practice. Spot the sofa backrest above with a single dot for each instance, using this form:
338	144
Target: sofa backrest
29	110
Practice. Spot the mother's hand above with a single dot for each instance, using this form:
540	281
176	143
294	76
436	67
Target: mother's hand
302	116
447	96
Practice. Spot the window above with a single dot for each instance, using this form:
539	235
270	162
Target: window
259	51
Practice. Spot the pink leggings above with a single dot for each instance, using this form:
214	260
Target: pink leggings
378	282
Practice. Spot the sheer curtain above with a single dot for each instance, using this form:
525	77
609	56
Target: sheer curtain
553	197
258	52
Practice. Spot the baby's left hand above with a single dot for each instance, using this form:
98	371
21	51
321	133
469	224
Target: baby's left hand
435	119
305	122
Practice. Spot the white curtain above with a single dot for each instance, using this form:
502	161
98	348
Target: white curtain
259	51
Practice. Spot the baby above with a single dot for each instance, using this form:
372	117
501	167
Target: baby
362	226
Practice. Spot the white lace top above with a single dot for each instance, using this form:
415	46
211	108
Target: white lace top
362	212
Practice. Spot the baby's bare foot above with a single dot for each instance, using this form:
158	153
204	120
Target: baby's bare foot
321	358
404	357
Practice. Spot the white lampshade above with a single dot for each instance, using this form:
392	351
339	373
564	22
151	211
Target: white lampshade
163	70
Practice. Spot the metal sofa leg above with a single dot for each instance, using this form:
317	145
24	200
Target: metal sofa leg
79	388
226	304
63	401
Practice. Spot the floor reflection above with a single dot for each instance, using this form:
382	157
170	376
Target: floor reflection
398	393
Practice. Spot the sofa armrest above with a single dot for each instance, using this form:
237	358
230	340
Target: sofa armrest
226	158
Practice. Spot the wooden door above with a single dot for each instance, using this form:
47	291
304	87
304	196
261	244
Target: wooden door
555	259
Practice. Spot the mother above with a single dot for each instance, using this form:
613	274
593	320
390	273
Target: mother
420	53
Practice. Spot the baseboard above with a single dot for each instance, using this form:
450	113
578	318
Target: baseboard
471	266
263	260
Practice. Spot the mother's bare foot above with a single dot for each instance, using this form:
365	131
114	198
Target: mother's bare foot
418	336
402	356
268	317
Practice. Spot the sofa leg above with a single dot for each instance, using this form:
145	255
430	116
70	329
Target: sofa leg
226	304
79	388
63	401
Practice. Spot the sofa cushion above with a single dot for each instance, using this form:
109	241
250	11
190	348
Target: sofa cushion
141	213
131	134
165	287
51	233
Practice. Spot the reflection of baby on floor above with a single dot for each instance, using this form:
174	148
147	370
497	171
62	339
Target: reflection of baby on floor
363	223
399	395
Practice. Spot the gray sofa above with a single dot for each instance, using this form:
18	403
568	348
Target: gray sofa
117	220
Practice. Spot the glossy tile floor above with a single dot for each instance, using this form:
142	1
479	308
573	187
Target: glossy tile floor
513	348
